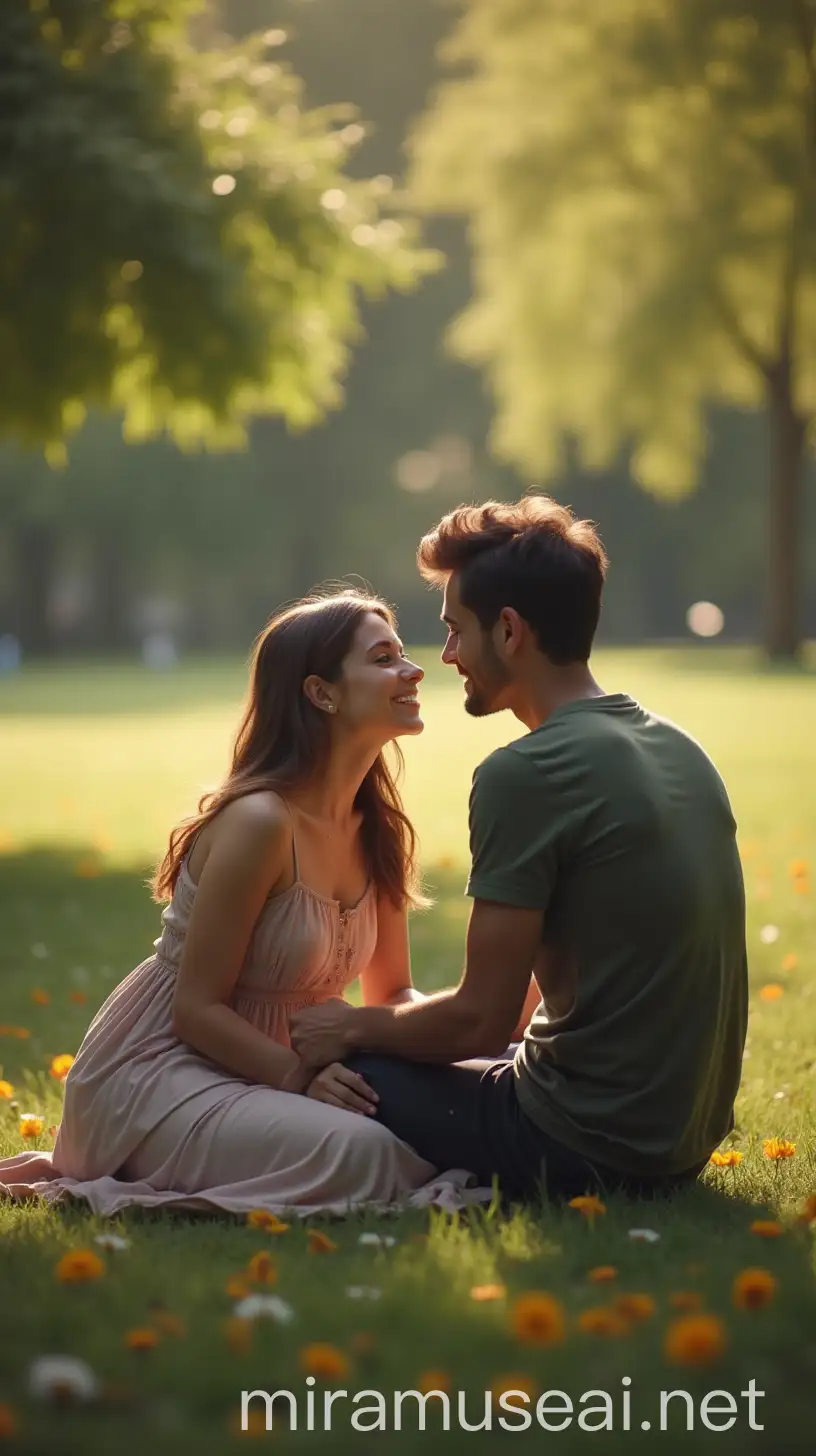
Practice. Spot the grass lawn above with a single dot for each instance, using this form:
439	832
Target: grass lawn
98	762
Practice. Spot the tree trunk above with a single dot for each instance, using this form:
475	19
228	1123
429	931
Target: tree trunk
787	431
35	564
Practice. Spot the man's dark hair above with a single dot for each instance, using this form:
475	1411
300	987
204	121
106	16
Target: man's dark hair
533	556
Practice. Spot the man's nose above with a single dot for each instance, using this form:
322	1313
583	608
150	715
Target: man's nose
449	651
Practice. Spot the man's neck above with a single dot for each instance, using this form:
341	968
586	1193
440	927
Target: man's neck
551	687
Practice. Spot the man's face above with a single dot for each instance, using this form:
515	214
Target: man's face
471	651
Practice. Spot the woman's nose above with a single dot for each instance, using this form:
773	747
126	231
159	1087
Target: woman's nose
414	672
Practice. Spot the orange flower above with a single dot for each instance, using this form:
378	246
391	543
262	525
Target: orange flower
61	1066
771	992
31	1125
588	1205
767	1228
753	1288
483	1292
261	1269
776	1148
79	1266
6	1090
799	869
808	1214
504	1383
635	1307
601	1320
695	1339
538	1319
602	1274
22	1033
324	1361
790	961
320	1243
238	1334
8	1422
237	1286
142	1339
78	997
261	1218
729	1159
40	998
433	1380
687	1299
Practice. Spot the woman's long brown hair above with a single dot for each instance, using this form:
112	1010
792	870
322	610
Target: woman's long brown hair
284	740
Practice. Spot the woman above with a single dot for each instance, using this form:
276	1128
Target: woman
293	879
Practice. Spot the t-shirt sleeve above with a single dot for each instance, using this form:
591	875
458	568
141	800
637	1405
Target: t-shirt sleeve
512	836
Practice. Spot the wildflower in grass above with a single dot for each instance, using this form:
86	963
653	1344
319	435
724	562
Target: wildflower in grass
264	1306
753	1289
602	1274
772	992
269	1223
729	1159
320	1243
6	1090
40	998
63	1379
363	1291
237	1286
433	1380
78	997
239	1334
31	1125
686	1299
114	1242
167	1323
790	962
261	1269
143	1338
808	1214
776	1148
601	1320
644	1235
799	869
538	1319
324	1361
484	1292
695	1339
504	1384
377	1241
588	1205
635	1307
767	1228
79	1266
61	1066
22	1033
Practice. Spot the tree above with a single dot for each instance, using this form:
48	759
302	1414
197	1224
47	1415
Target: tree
639	179
181	242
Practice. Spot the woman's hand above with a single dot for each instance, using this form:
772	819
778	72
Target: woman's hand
339	1087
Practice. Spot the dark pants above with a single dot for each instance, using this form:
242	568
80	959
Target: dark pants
468	1116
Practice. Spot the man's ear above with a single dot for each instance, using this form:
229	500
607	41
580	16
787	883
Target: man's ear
509	631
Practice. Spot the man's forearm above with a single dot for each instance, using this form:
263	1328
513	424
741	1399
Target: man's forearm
437	1029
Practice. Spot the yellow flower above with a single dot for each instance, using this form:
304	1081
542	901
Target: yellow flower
6	1089
767	1228
687	1299
320	1243
483	1292
776	1148
503	1383
771	992
40	998
143	1338
602	1274
433	1380
31	1125
261	1218
79	1266
729	1159
753	1288
538	1319
8	1422
635	1307
324	1361
238	1334
588	1205
261	1269
695	1339
61	1066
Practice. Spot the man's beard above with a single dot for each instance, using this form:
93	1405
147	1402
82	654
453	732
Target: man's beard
481	701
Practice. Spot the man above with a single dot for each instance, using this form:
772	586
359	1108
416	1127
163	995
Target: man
604	864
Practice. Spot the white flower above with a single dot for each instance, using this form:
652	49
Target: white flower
40	951
377	1241
112	1241
57	1377
646	1236
363	1291
768	934
264	1306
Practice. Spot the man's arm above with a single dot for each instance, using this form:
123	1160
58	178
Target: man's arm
476	1018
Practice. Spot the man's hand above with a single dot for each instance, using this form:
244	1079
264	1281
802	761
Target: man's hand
319	1034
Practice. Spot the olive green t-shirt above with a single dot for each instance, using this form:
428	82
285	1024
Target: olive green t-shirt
617	825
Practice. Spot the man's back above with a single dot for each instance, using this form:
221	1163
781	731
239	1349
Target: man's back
618	825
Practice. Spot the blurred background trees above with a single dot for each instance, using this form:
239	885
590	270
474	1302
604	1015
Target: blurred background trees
616	208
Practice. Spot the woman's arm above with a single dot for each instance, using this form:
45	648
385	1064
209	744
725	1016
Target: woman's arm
386	980
244	864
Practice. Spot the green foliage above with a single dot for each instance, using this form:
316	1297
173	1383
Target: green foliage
638	178
180	239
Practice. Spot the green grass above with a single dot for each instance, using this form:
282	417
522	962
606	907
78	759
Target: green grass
98	763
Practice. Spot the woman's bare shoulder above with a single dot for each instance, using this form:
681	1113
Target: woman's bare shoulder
255	825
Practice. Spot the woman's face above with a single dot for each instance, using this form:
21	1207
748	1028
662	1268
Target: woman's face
379	685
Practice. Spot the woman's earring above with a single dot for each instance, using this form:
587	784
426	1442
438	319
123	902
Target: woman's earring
330	708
